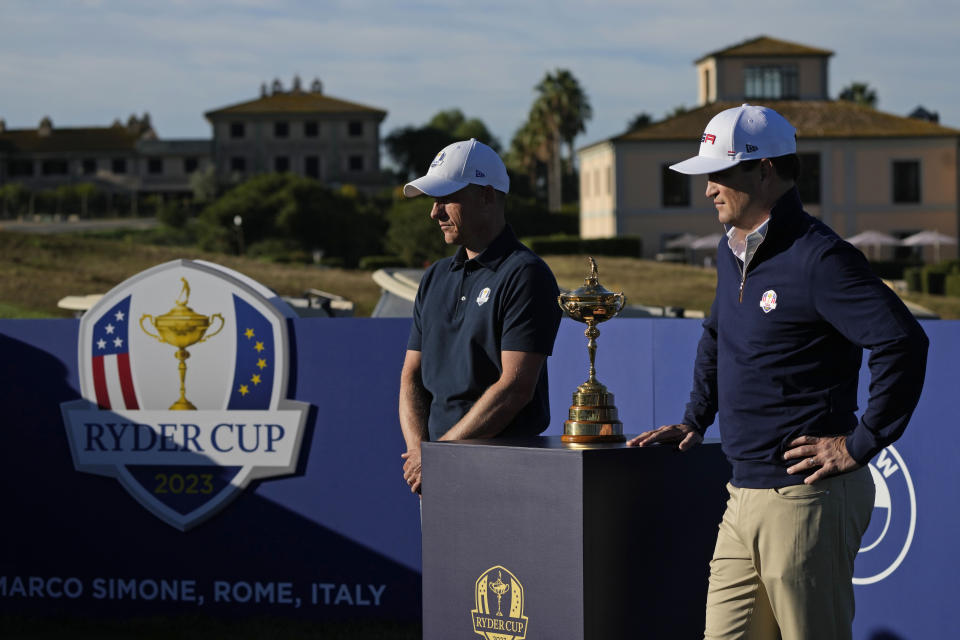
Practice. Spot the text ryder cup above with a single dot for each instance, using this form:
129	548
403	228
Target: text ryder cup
224	437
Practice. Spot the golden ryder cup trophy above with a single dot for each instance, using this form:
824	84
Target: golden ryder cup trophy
182	327
593	416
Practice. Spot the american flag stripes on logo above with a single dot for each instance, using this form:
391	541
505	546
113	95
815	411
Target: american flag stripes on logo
112	380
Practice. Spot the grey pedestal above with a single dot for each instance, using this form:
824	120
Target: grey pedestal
599	542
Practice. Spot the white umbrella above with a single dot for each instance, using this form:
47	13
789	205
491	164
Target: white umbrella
873	239
707	242
682	241
927	239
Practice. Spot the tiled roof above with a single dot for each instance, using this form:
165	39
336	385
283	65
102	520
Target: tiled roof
767	46
812	118
59	140
295	102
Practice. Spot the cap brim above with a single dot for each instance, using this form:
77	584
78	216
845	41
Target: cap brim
698	165
433	186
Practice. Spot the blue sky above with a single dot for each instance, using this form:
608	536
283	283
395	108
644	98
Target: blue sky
88	62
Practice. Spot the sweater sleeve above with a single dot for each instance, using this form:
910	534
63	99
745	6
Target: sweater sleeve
864	310
702	408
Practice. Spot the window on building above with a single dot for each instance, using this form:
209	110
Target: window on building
238	164
706	85
281	129
674	188
311	129
281	164
356	163
906	181
355	129
88	166
54	167
190	164
18	168
771	82
118	165
585	183
155	166
312	166
609	180
237	130
809	181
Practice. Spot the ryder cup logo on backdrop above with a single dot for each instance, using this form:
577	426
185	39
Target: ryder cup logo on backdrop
887	540
183	373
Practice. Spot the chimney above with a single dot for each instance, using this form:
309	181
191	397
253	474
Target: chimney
46	126
263	89
316	86
277	87
296	84
3	125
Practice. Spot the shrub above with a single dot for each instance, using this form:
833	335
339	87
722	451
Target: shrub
566	245
914	278
952	285
372	263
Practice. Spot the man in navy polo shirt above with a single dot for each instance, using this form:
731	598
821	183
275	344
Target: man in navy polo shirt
484	320
779	360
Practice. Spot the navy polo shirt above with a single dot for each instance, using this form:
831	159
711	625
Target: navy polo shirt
467	312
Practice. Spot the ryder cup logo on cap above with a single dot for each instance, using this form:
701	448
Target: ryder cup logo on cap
746	132
460	164
183	374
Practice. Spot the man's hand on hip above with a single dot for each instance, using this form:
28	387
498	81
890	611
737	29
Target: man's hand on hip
412	471
684	436
829	453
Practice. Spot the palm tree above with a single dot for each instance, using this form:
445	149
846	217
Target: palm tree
560	112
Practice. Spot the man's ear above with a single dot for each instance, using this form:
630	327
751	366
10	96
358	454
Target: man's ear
766	168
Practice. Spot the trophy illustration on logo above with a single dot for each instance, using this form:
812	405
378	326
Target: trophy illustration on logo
182	327
593	416
499	587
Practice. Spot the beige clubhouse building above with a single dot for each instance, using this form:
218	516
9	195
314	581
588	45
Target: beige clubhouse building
299	130
862	168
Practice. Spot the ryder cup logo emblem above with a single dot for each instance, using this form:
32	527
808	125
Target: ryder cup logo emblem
769	301
483	297
183	374
499	601
887	540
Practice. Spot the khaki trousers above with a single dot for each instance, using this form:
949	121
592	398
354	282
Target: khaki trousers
783	564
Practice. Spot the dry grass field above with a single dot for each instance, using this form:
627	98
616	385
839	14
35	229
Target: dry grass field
38	270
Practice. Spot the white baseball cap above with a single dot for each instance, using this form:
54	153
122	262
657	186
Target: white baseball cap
747	132
460	164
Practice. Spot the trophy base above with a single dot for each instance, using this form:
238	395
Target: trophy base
590	432
182	405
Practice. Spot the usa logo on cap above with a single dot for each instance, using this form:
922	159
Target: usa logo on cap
183	374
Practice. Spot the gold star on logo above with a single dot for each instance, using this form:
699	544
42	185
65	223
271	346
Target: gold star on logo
244	390
255	379
248	333
261	363
259	346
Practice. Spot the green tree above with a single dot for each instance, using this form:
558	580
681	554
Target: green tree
414	148
859	93
13	196
412	235
298	212
557	116
639	121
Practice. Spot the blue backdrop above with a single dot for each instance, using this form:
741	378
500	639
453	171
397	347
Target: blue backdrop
340	539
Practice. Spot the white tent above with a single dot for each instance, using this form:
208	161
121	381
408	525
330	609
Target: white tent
683	241
873	239
929	239
707	242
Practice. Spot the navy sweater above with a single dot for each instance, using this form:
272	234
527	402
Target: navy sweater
784	361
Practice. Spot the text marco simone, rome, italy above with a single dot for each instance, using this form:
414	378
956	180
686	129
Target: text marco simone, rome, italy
189	590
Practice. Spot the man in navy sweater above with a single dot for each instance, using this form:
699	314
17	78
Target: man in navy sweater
778	360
